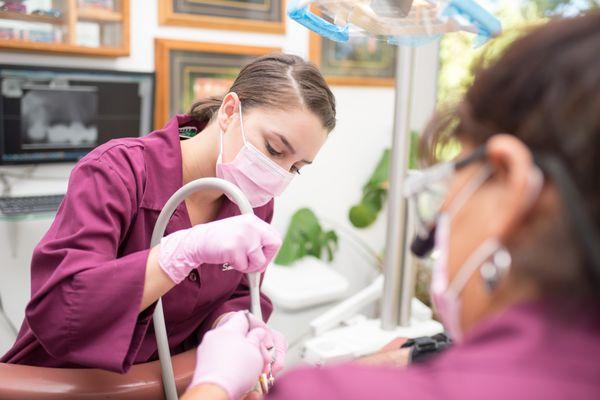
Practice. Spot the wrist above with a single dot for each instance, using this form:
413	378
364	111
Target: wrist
397	358
206	391
170	258
214	382
423	348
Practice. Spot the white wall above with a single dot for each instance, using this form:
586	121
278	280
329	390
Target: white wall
329	187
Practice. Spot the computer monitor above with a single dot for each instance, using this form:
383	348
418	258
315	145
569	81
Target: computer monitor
59	115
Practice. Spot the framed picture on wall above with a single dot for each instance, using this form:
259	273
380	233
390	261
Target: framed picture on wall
267	16
186	71
362	61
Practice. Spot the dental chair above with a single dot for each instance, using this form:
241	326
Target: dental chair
142	381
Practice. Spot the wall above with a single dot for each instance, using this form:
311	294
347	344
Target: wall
329	187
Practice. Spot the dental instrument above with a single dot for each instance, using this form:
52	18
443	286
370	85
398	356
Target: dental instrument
159	229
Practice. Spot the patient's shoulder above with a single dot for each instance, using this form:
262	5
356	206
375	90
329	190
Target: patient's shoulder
351	382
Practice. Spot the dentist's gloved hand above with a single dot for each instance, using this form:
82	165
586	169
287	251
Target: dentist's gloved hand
232	356
245	242
280	344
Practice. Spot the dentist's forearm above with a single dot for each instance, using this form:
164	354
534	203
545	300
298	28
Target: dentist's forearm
157	282
205	391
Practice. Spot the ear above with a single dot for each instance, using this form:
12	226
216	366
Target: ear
520	179
228	111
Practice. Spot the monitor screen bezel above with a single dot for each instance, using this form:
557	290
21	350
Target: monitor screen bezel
88	71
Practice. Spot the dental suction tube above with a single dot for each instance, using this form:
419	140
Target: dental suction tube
242	202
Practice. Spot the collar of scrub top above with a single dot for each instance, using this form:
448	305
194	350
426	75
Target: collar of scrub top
187	132
162	158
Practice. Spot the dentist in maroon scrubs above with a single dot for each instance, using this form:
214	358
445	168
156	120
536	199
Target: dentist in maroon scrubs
95	279
516	280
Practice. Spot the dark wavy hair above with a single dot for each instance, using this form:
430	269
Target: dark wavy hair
545	90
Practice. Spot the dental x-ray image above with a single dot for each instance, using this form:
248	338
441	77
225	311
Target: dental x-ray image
59	118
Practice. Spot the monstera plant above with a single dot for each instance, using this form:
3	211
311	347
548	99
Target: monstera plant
305	236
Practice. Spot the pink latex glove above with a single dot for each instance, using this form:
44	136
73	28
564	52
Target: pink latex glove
232	356
280	344
245	242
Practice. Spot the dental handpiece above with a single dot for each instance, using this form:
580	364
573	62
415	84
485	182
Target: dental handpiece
266	379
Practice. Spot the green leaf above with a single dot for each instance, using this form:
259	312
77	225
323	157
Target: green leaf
305	237
290	250
361	215
329	253
374	193
374	200
413	156
330	239
382	170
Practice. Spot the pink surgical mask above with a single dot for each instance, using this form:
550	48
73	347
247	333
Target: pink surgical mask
445	295
257	176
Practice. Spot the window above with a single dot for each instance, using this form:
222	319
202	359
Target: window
456	75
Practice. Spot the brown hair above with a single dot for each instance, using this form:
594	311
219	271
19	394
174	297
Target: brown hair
545	90
282	81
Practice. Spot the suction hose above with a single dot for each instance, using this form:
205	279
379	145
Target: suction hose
159	230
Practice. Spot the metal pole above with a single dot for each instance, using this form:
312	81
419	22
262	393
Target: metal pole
407	282
396	299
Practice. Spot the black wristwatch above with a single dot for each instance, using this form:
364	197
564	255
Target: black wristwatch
422	348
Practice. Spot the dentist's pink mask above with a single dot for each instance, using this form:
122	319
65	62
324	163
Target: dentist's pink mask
257	176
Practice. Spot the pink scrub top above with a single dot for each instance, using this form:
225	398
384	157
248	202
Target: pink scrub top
87	273
527	352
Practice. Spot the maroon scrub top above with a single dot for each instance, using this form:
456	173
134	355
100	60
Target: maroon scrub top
527	352
88	271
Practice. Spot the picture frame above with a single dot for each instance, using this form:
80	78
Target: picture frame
362	61
188	70
76	27
265	16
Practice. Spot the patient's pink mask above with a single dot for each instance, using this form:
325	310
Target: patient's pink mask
445	295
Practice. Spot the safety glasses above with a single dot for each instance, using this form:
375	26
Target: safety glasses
426	191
